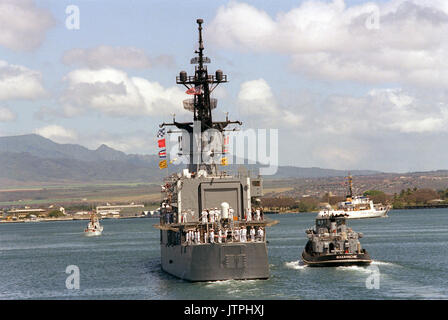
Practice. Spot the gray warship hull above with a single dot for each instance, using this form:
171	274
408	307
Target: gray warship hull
214	261
208	214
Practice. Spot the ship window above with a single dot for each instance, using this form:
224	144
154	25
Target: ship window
256	183
320	223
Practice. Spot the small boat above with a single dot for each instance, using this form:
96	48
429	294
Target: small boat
331	243
93	228
358	207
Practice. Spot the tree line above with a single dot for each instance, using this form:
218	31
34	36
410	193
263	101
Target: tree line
406	198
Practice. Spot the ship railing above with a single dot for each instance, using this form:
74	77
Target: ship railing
232	235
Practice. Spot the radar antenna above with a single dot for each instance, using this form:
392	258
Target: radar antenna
350	186
200	86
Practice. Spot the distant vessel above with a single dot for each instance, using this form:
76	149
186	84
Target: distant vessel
33	218
93	228
358	207
331	243
210	227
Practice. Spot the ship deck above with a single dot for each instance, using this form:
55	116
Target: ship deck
192	225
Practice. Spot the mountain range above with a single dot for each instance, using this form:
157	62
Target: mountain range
28	159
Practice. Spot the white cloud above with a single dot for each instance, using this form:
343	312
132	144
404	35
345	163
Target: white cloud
257	100
116	57
330	40
6	115
22	25
400	124
19	82
393	110
57	133
372	131
114	92
333	155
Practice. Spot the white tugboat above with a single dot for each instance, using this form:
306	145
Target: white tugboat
93	228
357	207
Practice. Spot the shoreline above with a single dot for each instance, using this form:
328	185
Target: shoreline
404	208
69	219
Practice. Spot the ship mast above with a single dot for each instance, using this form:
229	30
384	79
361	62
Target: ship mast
350	186
201	85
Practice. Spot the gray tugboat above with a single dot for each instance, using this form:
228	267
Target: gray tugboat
331	243
210	228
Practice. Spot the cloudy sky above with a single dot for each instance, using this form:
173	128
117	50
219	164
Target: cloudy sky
348	84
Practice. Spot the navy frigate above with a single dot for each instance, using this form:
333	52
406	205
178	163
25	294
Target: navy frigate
211	225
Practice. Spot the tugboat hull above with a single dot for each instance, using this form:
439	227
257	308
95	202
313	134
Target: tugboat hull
336	260
213	262
90	233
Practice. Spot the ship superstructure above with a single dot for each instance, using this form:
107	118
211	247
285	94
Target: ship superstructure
359	207
94	228
210	226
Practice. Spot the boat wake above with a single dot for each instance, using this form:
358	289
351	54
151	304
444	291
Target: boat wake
296	265
382	263
231	282
355	268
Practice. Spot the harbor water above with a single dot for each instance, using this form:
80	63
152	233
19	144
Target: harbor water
409	249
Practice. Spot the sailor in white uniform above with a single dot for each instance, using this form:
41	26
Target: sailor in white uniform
258	214
219	236
204	216
217	214
212	236
249	215
212	216
226	233
252	234
260	233
243	234
205	237
237	235
197	237
231	211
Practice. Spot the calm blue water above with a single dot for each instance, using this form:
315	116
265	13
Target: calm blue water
410	249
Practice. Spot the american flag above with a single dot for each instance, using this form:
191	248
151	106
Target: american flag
194	90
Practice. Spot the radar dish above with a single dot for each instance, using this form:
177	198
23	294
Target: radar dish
195	60
189	104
